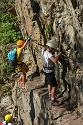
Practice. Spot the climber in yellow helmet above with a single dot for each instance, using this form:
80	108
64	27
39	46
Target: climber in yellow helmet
8	117
21	66
8	120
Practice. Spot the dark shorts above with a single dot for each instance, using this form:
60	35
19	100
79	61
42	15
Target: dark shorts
50	79
22	67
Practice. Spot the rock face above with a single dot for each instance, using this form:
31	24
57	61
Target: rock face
35	108
62	20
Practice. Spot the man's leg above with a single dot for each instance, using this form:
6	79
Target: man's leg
53	93
53	100
49	91
23	79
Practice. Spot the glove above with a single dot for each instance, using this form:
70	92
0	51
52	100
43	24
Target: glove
27	38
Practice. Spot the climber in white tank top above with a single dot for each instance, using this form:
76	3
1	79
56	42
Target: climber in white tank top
48	68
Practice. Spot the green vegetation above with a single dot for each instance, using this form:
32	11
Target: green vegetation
6	5
74	70
6	89
9	33
49	29
71	104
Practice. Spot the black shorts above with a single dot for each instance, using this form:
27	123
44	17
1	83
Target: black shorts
50	79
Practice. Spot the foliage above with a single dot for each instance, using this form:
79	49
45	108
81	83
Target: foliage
9	30
1	86
74	70
9	33
49	29
72	104
7	69
6	5
7	89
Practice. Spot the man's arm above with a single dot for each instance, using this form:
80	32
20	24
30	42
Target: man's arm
55	59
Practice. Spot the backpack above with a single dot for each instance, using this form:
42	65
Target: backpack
12	57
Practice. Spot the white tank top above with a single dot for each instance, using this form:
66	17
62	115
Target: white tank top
48	64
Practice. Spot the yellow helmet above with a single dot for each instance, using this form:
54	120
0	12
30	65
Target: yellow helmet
8	117
20	42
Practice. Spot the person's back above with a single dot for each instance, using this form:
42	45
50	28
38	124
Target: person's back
48	64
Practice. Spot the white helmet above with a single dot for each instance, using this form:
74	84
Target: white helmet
52	44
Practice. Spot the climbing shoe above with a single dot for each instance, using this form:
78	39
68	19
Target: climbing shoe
20	80
23	87
55	102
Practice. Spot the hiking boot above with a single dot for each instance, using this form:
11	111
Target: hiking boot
56	97
55	102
